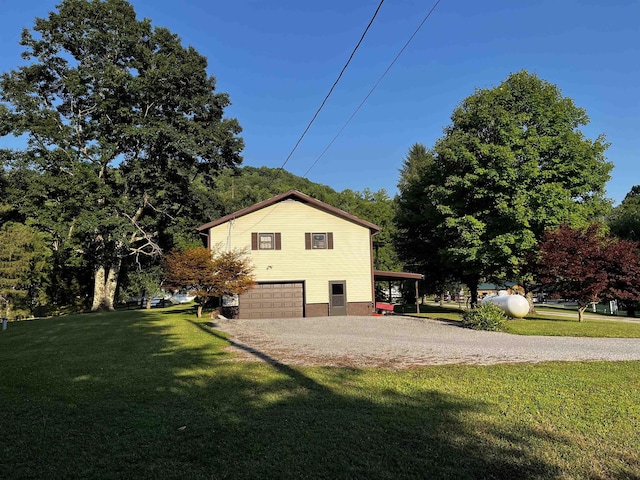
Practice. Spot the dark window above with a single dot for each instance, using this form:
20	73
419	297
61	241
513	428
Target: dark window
318	241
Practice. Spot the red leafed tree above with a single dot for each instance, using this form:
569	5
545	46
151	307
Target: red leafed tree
587	266
623	269
210	274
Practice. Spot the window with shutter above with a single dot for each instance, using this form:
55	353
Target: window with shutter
266	241
318	241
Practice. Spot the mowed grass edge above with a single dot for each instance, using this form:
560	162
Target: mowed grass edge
545	323
155	395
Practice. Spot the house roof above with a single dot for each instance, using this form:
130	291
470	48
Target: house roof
292	195
382	275
493	286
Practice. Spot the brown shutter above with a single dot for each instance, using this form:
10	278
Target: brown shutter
278	241
307	241
254	241
330	240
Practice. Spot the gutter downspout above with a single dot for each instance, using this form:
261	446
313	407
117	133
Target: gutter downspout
206	241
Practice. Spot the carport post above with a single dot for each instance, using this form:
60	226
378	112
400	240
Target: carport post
417	300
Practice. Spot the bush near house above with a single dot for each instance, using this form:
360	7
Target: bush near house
485	317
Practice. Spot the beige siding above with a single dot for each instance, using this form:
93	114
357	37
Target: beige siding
349	260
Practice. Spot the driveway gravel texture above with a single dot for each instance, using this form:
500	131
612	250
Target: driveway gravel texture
399	342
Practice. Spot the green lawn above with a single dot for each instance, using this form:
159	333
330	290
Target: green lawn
545	323
153	395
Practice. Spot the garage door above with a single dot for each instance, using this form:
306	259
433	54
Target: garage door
272	300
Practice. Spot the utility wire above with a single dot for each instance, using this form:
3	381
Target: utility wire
373	88
327	97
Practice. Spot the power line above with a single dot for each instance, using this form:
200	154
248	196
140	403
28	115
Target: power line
373	88
327	96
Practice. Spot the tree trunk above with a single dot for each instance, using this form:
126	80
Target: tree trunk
199	311
147	304
472	282
473	293
104	288
529	296
99	288
581	313
7	308
442	298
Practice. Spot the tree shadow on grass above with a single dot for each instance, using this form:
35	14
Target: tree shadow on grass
398	436
151	396
448	321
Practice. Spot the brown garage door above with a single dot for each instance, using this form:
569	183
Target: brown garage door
272	300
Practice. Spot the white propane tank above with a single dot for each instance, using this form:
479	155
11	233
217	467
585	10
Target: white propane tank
512	305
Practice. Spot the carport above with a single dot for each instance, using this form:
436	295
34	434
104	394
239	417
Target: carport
385	276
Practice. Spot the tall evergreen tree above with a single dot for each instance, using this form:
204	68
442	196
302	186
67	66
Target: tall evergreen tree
24	268
419	250
413	166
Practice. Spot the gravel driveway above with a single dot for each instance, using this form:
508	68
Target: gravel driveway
403	342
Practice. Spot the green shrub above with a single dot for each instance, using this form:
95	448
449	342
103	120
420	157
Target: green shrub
485	317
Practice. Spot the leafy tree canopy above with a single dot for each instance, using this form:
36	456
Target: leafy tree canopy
625	218
512	164
122	124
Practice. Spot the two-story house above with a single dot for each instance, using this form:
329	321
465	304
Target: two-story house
311	259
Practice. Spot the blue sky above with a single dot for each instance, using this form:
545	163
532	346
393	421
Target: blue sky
277	60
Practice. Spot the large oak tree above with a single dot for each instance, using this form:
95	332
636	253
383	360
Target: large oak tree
512	164
121	121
